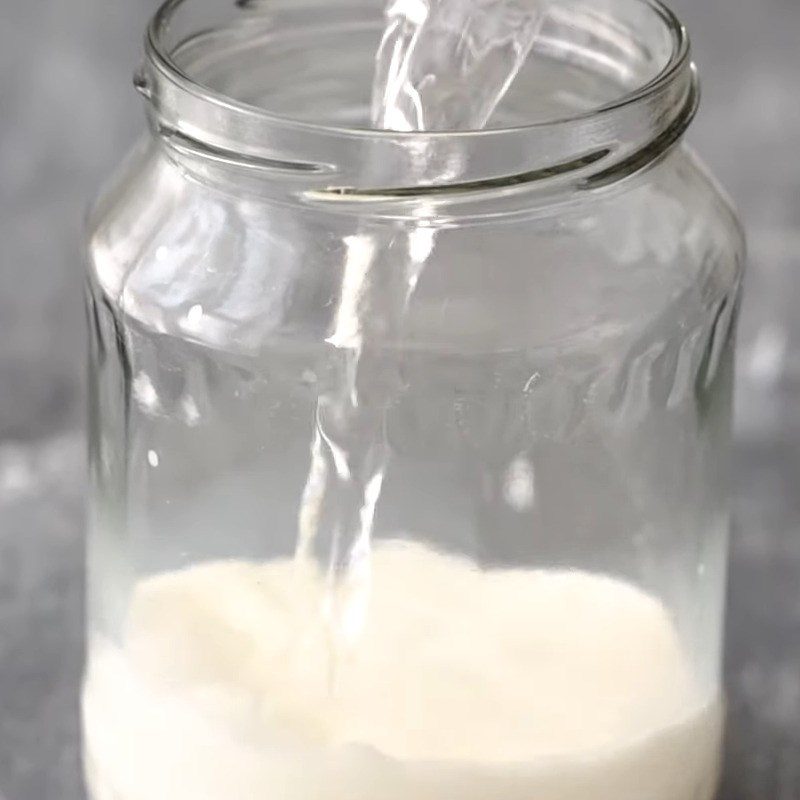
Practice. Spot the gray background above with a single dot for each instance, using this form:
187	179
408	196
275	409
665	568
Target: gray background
67	114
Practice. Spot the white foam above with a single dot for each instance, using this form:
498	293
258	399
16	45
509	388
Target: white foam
554	685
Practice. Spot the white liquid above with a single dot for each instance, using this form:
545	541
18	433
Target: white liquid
465	685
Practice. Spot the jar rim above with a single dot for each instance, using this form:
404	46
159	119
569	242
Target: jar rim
678	60
605	140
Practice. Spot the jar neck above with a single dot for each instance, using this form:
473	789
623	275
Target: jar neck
327	162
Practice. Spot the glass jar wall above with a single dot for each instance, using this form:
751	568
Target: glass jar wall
408	451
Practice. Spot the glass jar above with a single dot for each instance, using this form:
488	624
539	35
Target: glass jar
408	450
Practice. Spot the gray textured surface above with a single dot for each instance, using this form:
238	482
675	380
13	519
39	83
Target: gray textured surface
67	114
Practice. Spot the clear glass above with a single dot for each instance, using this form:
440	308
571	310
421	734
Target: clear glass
554	405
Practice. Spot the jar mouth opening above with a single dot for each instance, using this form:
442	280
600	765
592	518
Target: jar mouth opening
285	86
641	43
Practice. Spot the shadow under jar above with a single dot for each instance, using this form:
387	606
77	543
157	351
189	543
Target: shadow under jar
408	450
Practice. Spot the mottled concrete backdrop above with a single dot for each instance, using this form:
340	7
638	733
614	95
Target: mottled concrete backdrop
67	113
